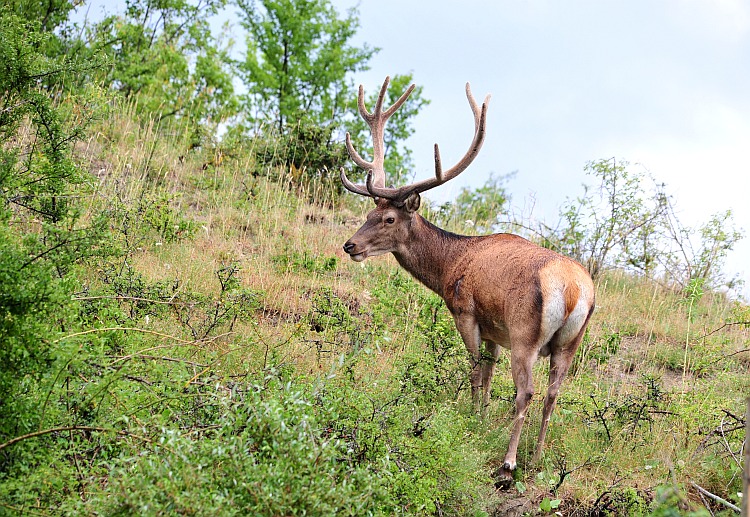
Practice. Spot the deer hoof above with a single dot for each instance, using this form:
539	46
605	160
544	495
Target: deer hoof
503	478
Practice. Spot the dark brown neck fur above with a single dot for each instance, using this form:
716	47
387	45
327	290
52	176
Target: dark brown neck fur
431	252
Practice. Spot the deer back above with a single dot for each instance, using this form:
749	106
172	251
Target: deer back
512	285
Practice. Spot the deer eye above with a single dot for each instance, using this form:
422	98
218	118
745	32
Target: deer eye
390	220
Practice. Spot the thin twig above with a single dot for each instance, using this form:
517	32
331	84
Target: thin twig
705	503
132	329
723	433
715	497
138	379
728	324
211	365
746	470
728	356
23	510
131	298
564	472
121	432
182	342
159	358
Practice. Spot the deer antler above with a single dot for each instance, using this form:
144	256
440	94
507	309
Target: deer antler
376	120
375	184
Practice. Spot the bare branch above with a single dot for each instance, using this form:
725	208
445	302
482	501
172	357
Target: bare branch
715	497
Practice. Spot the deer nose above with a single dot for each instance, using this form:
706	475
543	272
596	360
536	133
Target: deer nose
349	247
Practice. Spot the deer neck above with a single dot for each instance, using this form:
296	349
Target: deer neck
429	252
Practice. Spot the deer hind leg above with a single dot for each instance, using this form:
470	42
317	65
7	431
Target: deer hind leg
489	361
521	363
559	364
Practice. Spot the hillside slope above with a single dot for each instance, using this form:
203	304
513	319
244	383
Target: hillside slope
228	359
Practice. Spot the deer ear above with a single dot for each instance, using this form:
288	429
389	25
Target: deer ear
412	202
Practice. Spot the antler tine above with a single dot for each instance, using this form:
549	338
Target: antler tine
378	109
396	105
480	118
376	120
473	104
354	155
351	187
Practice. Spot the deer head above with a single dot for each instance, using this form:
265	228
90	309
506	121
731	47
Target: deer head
388	225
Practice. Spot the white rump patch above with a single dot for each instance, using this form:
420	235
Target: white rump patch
553	313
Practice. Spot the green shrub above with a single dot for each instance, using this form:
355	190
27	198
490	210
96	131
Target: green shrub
306	152
305	261
280	448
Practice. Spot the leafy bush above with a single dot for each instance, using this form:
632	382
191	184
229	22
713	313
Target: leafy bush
294	260
30	298
271	447
266	455
482	209
164	54
41	236
439	368
629	222
306	153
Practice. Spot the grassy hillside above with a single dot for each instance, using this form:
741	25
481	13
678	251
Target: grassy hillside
227	358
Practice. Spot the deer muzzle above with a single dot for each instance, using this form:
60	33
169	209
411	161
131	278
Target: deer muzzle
350	249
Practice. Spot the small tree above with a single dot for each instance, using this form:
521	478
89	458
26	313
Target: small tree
298	57
696	256
163	52
53	19
613	225
41	237
480	207
623	225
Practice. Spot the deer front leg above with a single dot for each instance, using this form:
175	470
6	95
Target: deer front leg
469	330
489	361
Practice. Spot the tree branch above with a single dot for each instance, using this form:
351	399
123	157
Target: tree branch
728	324
120	432
715	497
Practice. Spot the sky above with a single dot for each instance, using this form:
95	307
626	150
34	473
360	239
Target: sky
663	84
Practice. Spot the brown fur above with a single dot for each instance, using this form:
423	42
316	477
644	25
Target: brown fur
572	292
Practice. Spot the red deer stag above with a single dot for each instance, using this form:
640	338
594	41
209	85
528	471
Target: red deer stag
500	289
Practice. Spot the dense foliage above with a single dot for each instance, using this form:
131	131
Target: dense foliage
42	237
299	59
